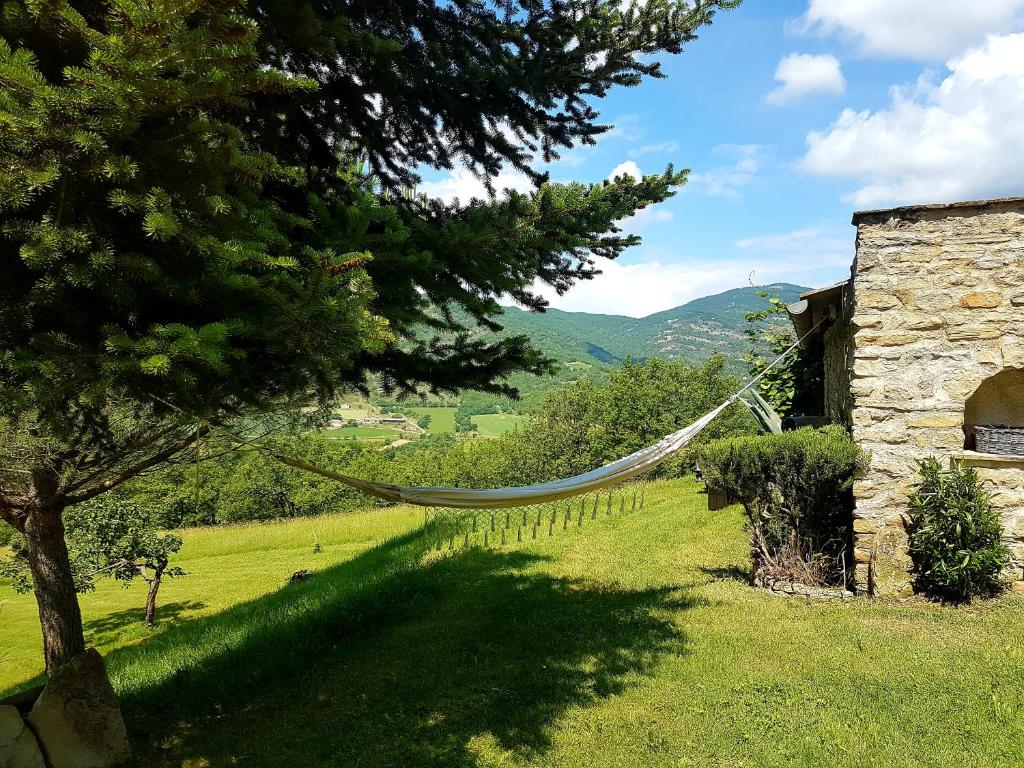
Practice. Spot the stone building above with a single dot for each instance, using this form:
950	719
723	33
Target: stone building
922	344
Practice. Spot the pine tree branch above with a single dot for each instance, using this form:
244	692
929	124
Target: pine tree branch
106	459
133	471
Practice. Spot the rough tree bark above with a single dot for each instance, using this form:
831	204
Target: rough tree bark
54	585
154	587
37	511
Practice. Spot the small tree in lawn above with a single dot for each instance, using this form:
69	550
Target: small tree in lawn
111	537
120	539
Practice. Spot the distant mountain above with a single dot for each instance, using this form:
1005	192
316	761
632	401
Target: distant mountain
694	331
589	345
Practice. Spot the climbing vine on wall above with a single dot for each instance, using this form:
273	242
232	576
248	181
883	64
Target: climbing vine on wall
792	381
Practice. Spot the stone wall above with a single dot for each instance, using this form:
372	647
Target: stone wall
939	308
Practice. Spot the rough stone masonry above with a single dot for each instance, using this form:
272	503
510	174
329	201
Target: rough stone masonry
938	310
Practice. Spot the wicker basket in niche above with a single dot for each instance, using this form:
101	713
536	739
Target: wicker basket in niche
1008	441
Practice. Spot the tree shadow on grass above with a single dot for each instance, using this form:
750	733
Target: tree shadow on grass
104	629
383	661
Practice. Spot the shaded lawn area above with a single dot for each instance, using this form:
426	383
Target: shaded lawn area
632	641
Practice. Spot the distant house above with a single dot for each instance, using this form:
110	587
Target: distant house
920	348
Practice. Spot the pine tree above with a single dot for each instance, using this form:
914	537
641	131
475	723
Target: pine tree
205	211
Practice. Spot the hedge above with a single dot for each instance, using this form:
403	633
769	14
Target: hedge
796	490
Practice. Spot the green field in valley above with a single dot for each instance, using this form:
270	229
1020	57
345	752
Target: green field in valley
362	433
494	424
632	640
442	419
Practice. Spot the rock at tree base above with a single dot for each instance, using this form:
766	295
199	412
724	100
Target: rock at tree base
18	746
77	719
24	701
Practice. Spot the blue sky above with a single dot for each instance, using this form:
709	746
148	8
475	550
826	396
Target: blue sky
792	114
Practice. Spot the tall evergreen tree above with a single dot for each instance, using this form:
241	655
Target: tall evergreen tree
204	212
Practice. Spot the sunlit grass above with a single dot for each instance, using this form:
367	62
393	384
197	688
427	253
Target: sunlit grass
442	418
494	424
632	641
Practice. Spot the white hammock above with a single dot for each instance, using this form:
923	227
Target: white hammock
495	498
597	479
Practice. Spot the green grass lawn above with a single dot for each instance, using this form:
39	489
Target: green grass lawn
494	424
442	418
361	433
630	641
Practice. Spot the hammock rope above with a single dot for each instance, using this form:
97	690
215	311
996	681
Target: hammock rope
596	480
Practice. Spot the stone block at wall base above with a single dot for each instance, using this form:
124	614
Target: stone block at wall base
77	719
892	584
883	564
18	745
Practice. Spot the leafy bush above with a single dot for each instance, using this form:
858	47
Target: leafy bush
795	488
15	569
955	535
794	384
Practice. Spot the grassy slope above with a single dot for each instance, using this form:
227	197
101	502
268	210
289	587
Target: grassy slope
494	424
630	642
442	419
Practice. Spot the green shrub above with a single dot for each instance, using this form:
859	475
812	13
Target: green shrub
955	535
796	490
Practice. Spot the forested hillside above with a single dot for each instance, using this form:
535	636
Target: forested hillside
694	331
588	345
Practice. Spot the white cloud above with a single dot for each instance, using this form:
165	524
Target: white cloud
597	60
655	285
957	139
728	180
916	29
644	217
804	73
627	127
817	238
661	148
462	185
628	168
573	157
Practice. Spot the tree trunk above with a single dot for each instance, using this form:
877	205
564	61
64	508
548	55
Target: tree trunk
154	587
54	585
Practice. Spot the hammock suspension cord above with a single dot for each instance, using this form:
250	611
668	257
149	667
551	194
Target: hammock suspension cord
596	480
